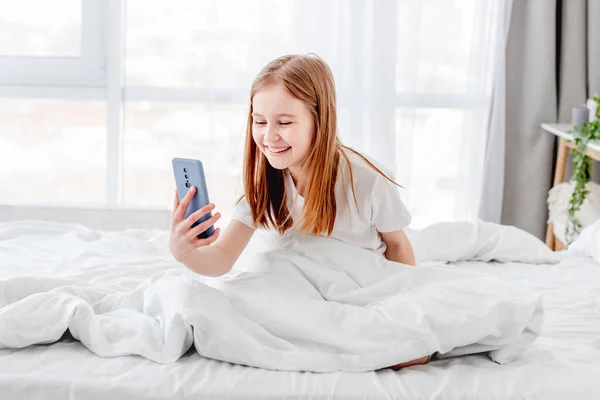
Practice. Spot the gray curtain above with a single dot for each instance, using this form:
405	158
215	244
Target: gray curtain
552	64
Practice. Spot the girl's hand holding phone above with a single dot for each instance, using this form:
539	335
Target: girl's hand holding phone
182	239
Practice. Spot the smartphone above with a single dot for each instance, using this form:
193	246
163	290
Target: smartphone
189	172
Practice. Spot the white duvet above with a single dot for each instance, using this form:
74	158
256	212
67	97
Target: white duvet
292	303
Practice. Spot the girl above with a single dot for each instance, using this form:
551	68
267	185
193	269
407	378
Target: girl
298	178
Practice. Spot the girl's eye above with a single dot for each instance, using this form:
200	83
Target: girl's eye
260	122
285	123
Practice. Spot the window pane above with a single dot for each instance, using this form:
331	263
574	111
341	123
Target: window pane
157	132
438	153
40	28
218	43
52	151
437	45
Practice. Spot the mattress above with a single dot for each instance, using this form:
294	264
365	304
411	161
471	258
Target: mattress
563	363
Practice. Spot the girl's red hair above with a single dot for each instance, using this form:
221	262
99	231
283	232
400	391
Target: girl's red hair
309	79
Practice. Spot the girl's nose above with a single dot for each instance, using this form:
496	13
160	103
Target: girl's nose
271	134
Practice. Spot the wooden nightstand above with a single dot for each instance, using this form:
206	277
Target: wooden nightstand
565	143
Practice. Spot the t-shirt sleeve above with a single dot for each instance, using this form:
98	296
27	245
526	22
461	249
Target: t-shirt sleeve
388	212
243	214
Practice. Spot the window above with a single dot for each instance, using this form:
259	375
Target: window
52	31
131	84
51	42
53	151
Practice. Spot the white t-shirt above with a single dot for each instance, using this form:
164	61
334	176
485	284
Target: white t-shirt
380	208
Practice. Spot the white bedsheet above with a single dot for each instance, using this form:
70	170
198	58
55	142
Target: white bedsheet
563	363
308	304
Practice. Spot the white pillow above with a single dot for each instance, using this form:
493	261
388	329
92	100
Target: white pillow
588	242
478	241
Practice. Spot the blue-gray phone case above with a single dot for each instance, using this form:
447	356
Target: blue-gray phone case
189	172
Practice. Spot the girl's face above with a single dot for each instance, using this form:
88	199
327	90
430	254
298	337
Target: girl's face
282	127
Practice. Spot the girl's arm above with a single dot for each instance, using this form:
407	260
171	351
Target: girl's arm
399	248
218	258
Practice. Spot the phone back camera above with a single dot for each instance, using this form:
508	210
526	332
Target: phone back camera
186	176
185	170
187	185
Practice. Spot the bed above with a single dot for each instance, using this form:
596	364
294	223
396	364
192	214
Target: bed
564	362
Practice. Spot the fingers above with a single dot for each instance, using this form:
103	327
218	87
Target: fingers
196	215
175	204
205	242
204	226
180	210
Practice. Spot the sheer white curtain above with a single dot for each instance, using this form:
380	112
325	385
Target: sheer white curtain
414	81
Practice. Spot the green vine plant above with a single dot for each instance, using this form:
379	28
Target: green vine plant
582	168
